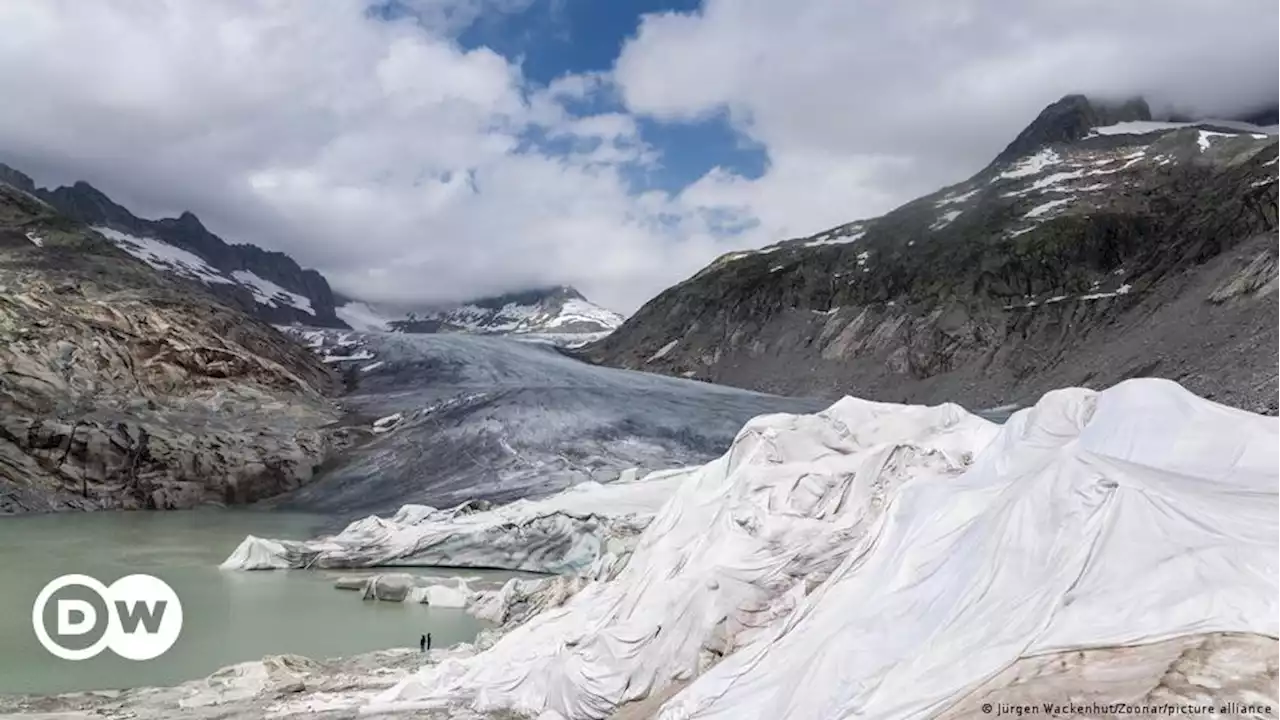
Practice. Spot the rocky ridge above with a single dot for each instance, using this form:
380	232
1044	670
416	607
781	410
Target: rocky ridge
267	284
125	387
1085	254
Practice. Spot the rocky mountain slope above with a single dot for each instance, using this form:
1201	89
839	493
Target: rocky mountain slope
268	284
1099	246
554	311
125	387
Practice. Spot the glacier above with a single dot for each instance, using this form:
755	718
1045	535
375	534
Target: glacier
445	419
892	561
563	534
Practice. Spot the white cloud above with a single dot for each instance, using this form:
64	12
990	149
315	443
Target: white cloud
862	106
381	153
398	163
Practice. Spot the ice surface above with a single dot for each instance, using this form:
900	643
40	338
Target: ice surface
563	533
491	418
887	560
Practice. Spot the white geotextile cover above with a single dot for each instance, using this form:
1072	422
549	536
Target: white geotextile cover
1095	519
564	533
846	565
730	553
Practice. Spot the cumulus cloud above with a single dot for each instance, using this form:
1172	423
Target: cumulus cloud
862	106
378	151
371	145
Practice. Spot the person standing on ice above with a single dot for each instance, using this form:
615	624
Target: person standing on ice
428	641
422	643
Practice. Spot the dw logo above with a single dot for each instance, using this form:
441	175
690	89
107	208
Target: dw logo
138	617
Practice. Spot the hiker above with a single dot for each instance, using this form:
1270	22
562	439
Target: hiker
422	643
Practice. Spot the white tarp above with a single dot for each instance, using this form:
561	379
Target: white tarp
1124	517
564	533
729	554
846	563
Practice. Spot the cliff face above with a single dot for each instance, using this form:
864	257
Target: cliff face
1079	257
250	277
122	386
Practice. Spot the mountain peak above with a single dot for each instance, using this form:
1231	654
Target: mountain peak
1069	119
17	179
532	296
558	311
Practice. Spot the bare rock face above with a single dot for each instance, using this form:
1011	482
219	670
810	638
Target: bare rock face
124	387
1211	675
1100	246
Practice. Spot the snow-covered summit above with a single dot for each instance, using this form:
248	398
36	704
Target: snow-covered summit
556	313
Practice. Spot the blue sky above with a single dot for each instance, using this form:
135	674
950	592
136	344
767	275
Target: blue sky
554	38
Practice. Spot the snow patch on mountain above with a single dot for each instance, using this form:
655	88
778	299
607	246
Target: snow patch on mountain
167	258
1047	207
1031	165
268	293
163	256
946	219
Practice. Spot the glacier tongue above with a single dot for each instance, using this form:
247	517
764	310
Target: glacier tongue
564	533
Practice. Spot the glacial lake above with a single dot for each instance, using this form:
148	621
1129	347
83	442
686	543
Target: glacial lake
229	616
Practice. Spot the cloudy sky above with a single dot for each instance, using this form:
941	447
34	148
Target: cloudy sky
429	150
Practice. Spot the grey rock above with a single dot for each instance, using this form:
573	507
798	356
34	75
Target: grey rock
1122	255
124	387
